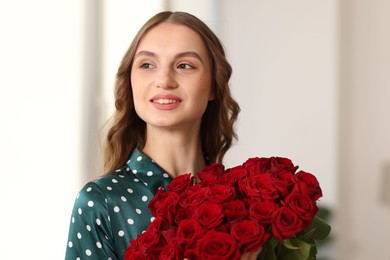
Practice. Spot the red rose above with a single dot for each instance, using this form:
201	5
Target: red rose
209	174
193	197
285	223
151	242
235	210
282	181
173	251
183	213
164	204
220	193
255	166
170	233
281	164
249	235
189	231
217	246
303	206
223	228
159	223
181	183
209	214
262	211
232	175
191	254
133	253
306	183
258	186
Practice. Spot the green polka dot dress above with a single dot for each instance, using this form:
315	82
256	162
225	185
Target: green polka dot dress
113	209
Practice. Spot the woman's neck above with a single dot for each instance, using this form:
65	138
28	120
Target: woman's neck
176	152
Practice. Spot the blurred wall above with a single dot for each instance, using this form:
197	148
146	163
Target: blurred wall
364	212
40	107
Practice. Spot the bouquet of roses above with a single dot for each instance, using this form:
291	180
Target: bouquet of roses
264	203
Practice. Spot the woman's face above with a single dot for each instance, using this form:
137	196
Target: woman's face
171	77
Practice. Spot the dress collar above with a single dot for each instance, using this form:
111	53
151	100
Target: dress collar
147	171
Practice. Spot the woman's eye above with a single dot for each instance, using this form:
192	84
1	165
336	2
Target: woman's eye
146	66
185	66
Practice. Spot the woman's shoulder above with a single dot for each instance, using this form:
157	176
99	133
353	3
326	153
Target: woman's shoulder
108	185
117	177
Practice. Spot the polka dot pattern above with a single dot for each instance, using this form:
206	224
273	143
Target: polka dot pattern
111	210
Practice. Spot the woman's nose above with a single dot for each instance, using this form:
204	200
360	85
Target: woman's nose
166	79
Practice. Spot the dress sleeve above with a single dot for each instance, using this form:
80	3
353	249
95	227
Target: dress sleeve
90	234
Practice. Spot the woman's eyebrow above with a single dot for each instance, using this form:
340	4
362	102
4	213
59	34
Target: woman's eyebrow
189	54
193	54
145	53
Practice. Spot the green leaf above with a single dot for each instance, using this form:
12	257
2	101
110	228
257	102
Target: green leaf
288	243
321	229
268	250
324	212
295	249
273	241
300	247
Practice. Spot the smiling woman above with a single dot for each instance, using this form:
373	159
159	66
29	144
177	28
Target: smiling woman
174	115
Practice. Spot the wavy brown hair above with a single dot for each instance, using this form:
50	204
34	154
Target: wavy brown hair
128	130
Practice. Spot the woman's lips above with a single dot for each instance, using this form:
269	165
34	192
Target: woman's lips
165	102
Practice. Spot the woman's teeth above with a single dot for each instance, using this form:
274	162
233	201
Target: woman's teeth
165	101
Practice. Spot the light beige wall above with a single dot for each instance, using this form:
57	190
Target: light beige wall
206	10
40	142
364	212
